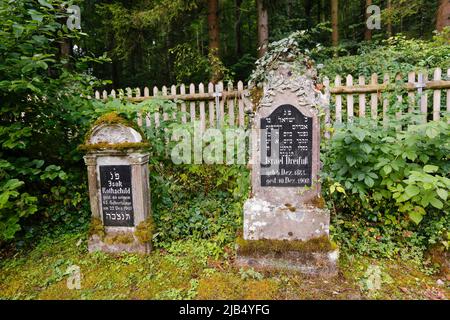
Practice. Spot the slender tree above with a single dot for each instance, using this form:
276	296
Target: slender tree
443	15
237	27
389	19
263	27
335	22
367	31
213	26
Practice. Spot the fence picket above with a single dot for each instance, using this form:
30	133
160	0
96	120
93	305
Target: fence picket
398	113
192	103
362	98
374	98
211	106
230	103
422	79
350	102
157	114
337	82
222	104
183	104
437	96
201	89
147	117
386	79
241	116
139	115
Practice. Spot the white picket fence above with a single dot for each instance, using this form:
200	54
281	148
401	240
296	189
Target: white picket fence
214	104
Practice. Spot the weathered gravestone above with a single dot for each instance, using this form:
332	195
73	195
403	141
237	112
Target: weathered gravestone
286	224
118	187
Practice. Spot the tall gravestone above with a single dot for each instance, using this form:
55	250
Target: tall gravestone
286	224
118	187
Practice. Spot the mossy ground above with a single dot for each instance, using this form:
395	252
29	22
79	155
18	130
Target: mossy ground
188	273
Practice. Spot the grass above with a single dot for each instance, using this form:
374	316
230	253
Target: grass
188	270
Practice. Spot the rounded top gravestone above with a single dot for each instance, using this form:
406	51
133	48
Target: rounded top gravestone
113	133
119	191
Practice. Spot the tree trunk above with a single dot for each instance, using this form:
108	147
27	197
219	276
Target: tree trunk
443	15
389	20
237	28
308	9
321	5
367	31
334	23
213	26
263	27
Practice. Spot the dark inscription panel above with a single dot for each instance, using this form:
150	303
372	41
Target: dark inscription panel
117	197
295	148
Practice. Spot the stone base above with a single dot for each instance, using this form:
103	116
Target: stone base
310	263
116	243
264	220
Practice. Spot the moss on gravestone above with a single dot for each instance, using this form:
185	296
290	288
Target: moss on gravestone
266	246
144	231
96	228
113	118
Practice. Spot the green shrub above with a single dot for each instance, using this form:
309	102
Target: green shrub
382	181
394	55
41	119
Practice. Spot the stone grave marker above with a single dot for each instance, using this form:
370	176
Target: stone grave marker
119	189
286	223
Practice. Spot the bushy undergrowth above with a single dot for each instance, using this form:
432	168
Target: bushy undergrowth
388	188
392	56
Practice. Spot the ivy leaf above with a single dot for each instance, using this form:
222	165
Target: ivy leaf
442	193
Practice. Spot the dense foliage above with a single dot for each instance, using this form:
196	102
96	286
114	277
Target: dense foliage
395	182
387	187
41	118
396	55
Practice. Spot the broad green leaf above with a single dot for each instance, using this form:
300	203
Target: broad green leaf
432	133
412	190
350	160
387	169
430	168
45	4
442	193
415	216
369	181
435	202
